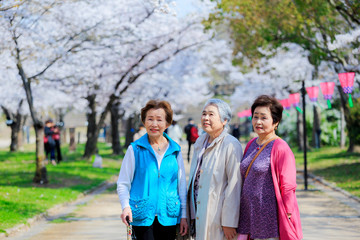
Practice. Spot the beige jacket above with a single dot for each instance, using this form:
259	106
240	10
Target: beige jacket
219	186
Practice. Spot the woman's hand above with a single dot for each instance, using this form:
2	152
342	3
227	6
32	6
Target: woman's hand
183	227
229	232
126	213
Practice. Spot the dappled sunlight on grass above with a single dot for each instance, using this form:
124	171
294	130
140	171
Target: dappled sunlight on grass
21	199
335	165
7	156
326	157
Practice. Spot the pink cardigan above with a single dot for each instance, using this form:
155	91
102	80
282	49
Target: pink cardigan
283	172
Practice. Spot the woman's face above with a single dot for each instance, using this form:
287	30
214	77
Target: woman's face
155	122
262	121
210	120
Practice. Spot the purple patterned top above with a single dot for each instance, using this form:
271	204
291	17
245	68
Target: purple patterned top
258	207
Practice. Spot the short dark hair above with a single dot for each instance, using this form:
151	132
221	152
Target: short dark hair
272	103
157	104
48	121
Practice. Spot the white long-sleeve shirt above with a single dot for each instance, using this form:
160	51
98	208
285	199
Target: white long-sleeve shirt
126	176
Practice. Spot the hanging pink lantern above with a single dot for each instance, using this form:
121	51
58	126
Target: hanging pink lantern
245	113
313	93
347	81
285	103
240	114
347	84
327	89
295	100
248	113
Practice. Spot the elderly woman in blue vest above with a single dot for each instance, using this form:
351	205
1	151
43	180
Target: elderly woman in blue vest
152	181
215	181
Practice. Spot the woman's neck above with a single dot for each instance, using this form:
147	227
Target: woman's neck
159	144
157	140
264	138
215	135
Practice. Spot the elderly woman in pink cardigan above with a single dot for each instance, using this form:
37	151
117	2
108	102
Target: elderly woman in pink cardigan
268	208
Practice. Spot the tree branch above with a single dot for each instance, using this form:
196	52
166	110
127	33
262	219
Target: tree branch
3	9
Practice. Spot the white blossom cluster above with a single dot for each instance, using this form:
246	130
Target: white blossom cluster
72	50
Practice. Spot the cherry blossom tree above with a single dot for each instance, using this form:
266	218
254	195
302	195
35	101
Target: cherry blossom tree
36	39
132	41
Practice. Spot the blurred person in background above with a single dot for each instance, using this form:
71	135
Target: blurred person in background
139	133
191	132
174	131
56	137
49	142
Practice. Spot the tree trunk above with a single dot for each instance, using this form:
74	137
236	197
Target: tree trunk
72	143
299	131
108	137
15	132
115	137
91	143
316	140
129	132
347	117
63	135
40	173
93	129
15	122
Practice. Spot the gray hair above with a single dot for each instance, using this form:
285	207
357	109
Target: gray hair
223	108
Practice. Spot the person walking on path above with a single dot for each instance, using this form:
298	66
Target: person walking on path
49	142
236	131
191	135
269	208
175	132
152	182
56	137
214	179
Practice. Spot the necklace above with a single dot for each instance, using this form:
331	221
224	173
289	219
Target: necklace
158	146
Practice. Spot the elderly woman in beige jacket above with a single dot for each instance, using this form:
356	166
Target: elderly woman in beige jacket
214	180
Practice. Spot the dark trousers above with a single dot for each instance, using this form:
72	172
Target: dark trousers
189	148
155	232
49	149
58	151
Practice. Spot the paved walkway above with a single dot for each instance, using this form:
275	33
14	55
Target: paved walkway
325	214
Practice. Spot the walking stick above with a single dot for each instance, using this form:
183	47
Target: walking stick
129	233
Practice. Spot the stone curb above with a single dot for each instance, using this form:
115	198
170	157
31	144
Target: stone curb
42	216
331	185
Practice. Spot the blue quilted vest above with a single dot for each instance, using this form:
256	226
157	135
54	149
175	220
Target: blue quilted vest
154	191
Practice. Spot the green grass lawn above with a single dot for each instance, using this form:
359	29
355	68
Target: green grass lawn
335	165
20	199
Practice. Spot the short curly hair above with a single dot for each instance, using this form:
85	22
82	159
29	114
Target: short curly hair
272	103
157	104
